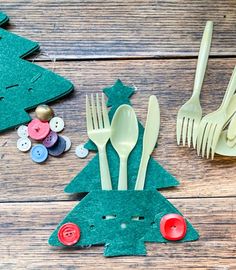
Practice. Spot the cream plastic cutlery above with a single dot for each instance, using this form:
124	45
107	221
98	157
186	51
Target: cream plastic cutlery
231	134
124	136
190	114
231	143
149	139
223	148
99	131
212	124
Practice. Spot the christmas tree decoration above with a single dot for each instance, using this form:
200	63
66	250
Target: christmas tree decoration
122	220
89	178
23	82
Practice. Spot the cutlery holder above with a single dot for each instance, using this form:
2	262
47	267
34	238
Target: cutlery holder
122	221
110	218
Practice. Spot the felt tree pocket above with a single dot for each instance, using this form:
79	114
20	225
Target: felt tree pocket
24	85
122	221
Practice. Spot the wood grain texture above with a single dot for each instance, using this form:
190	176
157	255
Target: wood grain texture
32	201
171	81
123	29
25	228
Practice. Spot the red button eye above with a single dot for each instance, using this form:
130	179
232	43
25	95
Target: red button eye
173	227
69	234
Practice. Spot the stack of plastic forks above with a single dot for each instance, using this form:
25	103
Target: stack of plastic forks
205	132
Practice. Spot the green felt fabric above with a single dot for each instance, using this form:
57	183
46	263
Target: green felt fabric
89	178
24	85
123	205
13	45
3	18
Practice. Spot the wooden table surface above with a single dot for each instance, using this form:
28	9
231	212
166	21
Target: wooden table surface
149	43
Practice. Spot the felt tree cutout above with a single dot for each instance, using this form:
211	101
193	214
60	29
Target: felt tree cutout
3	18
122	221
24	85
89	178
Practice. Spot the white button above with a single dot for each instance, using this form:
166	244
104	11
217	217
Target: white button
68	143
56	124
22	131
80	151
24	144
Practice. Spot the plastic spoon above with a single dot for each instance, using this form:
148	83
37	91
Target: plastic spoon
124	136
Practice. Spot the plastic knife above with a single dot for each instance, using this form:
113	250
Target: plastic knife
149	139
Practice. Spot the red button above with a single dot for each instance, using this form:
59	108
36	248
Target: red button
69	234
38	130
173	227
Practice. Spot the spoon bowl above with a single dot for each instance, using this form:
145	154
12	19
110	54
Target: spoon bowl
124	136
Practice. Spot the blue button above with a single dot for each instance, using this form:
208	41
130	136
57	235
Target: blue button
39	153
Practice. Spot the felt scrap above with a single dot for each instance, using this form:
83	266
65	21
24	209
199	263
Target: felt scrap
123	234
24	85
89	178
13	45
3	18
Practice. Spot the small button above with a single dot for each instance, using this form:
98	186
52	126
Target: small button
58	148
51	139
22	131
44	112
38	130
68	143
81	152
56	124
69	234
173	227
39	153
24	144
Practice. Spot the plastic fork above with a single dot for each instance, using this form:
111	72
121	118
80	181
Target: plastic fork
212	124
190	114
99	131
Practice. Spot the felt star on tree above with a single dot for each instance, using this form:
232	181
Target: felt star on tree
118	94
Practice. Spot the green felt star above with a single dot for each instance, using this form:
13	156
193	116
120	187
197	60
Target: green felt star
118	94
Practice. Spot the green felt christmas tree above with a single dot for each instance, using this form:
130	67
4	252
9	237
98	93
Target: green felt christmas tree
89	178
122	221
23	85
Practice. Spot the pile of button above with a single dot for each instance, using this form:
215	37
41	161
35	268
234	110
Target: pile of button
43	129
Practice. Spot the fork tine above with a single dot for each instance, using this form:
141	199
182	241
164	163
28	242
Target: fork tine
209	141
105	113
215	140
88	115
195	132
184	131
99	113
179	129
95	121
202	127
190	131
205	137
